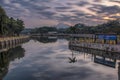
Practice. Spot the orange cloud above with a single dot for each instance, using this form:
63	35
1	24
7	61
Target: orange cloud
118	14
108	18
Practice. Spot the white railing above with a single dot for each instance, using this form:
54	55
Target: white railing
12	38
108	47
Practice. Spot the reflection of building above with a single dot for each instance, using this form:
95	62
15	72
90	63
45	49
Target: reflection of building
105	61
7	56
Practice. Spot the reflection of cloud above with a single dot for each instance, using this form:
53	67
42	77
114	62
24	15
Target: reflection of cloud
50	62
7	1
51	12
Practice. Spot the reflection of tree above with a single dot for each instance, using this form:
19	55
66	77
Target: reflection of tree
64	37
4	63
17	52
72	59
7	56
45	39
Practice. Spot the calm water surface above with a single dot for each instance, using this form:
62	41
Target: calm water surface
36	60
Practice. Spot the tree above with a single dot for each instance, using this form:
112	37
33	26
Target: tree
19	26
2	21
45	29
9	26
108	27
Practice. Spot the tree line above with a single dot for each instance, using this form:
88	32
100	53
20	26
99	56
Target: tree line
108	27
44	30
8	25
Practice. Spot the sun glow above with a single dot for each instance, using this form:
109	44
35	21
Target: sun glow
108	18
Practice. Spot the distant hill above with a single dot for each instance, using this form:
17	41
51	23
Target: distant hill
62	26
26	31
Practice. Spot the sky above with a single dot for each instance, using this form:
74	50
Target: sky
37	13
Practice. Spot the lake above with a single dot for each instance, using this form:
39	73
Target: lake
53	59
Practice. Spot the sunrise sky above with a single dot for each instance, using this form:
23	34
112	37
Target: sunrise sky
51	12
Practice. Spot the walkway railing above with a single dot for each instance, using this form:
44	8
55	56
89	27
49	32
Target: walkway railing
12	38
9	42
99	46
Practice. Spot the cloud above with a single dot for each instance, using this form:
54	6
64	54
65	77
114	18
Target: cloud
17	5
82	3
47	14
109	10
7	1
63	8
67	11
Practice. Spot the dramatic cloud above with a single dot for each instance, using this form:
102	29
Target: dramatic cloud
37	13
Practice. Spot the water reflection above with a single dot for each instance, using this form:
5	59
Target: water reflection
105	61
45	39
7	56
72	59
49	39
57	61
107	58
99	56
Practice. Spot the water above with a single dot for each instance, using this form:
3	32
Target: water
44	59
